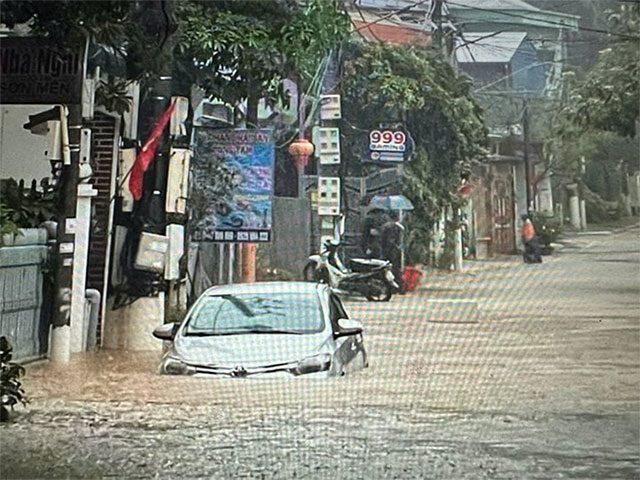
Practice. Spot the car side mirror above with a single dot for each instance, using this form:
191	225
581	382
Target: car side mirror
166	331
347	327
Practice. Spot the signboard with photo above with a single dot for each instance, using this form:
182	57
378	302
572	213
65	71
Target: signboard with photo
232	185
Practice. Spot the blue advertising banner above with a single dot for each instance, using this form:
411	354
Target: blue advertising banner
232	185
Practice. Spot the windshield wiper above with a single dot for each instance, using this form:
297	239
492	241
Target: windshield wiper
243	330
240	305
262	330
206	334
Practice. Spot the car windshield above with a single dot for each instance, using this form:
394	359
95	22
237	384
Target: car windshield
282	312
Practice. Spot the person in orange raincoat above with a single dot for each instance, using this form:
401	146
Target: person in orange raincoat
532	253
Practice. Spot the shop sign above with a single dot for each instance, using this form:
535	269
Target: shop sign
34	72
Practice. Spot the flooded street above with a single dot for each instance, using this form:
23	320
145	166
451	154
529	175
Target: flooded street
505	371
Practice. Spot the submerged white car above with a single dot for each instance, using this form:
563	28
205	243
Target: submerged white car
259	329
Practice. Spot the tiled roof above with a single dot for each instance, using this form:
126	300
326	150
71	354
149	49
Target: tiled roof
390	30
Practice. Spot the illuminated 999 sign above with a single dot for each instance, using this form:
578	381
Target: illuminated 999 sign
387	141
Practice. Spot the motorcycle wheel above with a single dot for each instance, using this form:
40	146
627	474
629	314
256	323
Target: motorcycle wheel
379	291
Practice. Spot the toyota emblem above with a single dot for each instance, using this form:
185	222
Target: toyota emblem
238	372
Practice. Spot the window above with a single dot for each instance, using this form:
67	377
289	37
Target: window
296	313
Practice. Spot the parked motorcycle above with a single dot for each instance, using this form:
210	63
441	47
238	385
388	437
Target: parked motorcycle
369	277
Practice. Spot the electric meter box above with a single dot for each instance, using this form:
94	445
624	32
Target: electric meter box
152	252
328	195
327	141
330	107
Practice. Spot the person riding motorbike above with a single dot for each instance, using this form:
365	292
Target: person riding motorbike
532	252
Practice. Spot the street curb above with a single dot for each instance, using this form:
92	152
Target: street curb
626	229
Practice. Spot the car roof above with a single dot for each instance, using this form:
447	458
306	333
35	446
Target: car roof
266	287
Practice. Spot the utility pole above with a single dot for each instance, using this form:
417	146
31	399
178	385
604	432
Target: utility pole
527	167
247	251
157	20
60	350
437	20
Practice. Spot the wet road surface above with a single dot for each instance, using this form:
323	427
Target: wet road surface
505	371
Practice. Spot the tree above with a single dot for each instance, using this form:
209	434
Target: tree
230	48
390	84
235	51
609	96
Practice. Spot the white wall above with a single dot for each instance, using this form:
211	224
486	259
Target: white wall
544	197
22	152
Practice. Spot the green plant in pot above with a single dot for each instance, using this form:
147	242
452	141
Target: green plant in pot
11	391
8	228
548	230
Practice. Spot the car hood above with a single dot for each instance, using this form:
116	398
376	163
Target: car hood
249	350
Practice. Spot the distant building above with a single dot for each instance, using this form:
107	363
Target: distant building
502	61
548	31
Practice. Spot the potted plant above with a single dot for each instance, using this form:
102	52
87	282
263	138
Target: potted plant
11	391
548	229
8	228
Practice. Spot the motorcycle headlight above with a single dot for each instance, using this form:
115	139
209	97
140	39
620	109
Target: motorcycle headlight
317	363
173	366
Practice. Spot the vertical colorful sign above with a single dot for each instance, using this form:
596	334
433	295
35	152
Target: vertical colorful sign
232	185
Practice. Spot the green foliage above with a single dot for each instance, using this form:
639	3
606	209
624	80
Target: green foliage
11	391
112	94
232	49
7	225
548	228
28	208
609	97
386	84
112	23
235	50
598	209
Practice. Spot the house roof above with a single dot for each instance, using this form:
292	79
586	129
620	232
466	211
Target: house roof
509	12
390	30
493	5
489	47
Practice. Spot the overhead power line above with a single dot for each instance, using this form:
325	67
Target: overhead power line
391	14
365	21
476	40
549	22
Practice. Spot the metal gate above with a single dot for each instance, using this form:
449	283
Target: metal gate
502	213
22	319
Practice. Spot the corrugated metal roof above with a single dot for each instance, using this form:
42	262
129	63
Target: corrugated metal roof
489	47
493	5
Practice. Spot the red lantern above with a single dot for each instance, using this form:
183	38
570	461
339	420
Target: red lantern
465	189
301	149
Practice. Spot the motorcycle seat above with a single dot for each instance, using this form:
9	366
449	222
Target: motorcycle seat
359	264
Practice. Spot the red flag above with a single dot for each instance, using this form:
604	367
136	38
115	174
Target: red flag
148	153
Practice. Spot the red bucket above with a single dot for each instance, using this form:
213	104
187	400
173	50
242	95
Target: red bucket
411	278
